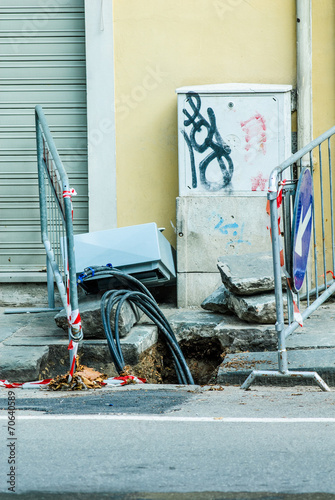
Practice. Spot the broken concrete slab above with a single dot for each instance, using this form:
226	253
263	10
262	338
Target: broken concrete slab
254	308
217	301
233	333
22	365
236	336
237	367
247	274
91	318
188	324
141	338
259	308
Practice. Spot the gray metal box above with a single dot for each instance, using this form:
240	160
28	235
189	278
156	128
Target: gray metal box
141	250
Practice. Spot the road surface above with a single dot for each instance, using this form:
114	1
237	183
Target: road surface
266	443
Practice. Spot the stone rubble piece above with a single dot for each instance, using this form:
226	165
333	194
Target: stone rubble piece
91	318
259	308
217	301
255	308
247	274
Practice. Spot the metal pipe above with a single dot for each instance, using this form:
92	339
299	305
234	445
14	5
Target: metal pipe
50	285
282	353
322	220
315	291
331	203
23	310
304	74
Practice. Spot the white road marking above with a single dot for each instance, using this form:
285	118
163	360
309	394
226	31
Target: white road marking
303	223
157	418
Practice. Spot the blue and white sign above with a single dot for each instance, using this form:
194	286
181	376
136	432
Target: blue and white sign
302	228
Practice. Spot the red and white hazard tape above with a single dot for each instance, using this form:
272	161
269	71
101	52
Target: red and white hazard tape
25	385
73	346
73	317
68	193
279	203
113	381
296	313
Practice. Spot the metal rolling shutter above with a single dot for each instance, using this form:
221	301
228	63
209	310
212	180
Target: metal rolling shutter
42	61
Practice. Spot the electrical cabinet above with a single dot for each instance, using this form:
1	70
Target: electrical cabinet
230	137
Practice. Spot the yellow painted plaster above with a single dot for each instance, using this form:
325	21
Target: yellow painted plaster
323	29
161	45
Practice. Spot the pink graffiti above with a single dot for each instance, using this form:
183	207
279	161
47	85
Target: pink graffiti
255	133
258	182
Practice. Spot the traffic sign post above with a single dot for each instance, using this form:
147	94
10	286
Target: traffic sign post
301	228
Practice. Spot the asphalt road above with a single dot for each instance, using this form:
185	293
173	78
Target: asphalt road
267	443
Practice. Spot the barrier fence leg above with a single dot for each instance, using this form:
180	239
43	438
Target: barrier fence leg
73	350
50	284
282	352
289	374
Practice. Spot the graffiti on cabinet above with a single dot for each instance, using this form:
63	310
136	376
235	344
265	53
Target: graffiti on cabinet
255	136
216	167
232	230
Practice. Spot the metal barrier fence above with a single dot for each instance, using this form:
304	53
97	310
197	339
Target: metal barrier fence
57	229
296	219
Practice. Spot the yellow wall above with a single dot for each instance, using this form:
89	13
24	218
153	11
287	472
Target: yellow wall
323	32
323	29
161	45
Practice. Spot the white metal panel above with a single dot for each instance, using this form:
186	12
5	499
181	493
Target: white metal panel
235	88
42	61
230	138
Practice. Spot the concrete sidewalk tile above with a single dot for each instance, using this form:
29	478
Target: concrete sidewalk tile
10	324
18	364
194	323
240	336
236	367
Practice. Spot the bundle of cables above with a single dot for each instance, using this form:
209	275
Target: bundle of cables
136	294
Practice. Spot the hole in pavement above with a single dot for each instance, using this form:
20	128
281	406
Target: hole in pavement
203	356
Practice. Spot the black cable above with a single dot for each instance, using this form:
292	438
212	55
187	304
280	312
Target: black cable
138	296
141	300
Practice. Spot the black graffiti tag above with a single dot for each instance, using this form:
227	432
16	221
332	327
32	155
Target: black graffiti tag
219	150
